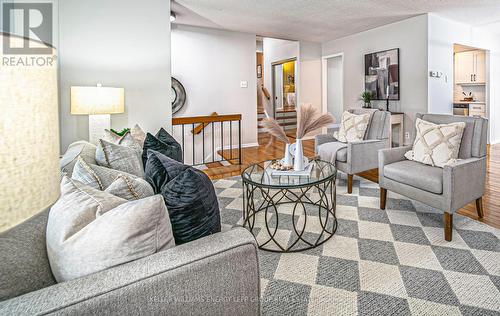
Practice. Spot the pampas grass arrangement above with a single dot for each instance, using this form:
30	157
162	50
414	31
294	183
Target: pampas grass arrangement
274	129
308	122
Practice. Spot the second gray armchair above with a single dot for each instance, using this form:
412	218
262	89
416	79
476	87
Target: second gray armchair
361	155
447	189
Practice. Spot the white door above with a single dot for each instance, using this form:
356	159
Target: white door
464	67
334	84
479	66
278	86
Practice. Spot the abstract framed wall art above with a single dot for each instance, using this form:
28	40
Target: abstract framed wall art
382	74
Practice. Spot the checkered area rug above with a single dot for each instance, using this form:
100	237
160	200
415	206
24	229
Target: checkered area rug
379	262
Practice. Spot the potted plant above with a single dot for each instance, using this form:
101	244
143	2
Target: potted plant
367	99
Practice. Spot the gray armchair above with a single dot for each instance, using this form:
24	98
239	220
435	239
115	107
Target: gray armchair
448	188
215	275
357	156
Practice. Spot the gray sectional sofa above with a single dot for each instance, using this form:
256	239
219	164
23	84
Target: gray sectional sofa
215	275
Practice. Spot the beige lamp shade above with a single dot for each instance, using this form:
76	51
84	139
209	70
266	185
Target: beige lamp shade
97	100
29	135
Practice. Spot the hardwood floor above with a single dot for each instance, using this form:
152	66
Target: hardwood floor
273	150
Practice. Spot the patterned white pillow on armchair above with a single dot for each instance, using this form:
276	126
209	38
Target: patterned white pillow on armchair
352	127
436	144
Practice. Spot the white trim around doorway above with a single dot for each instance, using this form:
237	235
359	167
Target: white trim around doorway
324	81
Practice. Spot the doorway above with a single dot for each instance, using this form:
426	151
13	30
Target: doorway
284	78
333	85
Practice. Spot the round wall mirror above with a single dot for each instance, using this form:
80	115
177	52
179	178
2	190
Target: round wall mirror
178	96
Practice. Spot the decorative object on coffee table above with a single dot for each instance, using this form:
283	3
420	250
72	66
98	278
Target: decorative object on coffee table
312	196
274	129
307	121
98	103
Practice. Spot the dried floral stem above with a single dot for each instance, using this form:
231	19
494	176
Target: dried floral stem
274	129
307	122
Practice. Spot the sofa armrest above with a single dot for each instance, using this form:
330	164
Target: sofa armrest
362	155
463	182
218	274
322	139
388	156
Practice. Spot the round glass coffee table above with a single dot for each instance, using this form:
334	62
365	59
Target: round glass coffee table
290	213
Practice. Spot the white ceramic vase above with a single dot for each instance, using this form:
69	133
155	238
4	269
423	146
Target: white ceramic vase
288	160
298	162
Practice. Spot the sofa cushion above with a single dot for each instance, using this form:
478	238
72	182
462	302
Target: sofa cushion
121	184
162	143
77	149
138	134
352	127
189	196
416	174
124	140
90	230
119	157
436	144
24	266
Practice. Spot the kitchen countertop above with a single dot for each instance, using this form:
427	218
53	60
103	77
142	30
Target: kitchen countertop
469	102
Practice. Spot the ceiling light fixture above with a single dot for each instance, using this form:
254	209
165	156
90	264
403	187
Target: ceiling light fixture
172	16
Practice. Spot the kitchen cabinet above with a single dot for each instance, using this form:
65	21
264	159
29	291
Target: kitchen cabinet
470	67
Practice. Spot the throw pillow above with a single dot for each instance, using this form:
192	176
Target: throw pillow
436	144
138	134
126	140
77	149
124	185
352	127
90	230
162	143
189	196
119	157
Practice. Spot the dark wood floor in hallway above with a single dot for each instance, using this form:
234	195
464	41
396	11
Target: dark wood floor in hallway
274	149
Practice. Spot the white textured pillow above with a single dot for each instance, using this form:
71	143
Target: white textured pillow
352	127
90	230
126	140
120	158
119	183
77	149
138	134
436	144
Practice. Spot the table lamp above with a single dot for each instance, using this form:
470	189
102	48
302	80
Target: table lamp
29	133
98	103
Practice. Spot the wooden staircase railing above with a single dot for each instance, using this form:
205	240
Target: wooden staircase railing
217	127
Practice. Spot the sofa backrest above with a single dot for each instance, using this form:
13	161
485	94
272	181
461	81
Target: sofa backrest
475	134
24	266
380	122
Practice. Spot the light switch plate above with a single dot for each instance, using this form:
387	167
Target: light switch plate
243	84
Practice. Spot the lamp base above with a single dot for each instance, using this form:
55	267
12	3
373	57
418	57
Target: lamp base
97	125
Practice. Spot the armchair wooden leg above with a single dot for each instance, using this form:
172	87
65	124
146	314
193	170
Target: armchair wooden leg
479	207
383	198
349	183
448	226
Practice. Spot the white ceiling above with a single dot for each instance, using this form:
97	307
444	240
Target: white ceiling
323	20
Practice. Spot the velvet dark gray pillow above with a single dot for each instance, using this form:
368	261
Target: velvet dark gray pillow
189	196
162	143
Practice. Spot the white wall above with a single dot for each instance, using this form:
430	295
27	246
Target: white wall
102	41
410	36
443	33
276	50
309	64
210	64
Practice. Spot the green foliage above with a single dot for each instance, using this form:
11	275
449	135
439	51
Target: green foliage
366	96
125	130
